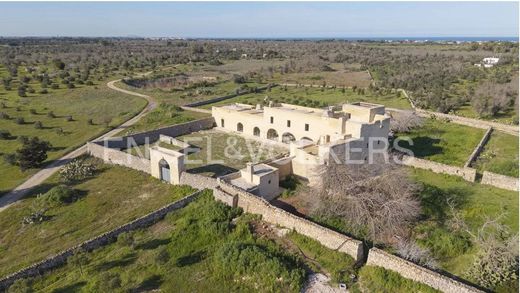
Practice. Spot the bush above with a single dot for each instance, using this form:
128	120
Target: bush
20	286
51	114
59	195
32	111
32	153
38	125
76	170
4	116
90	122
20	120
69	118
55	86
4	134
44	91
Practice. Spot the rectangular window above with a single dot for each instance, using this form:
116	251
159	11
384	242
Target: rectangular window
272	119
306	127
288	123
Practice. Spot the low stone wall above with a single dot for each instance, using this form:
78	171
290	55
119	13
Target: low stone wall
510	129
469	174
193	109
257	205
478	148
117	157
409	270
96	242
500	181
198	181
218	99
153	135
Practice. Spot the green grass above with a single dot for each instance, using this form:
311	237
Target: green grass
222	153
195	249
101	105
443	142
500	155
336	264
475	202
317	97
116	195
376	279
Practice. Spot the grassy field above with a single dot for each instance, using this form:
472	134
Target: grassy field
105	107
454	251
376	279
196	249
500	155
222	153
115	195
443	142
318	97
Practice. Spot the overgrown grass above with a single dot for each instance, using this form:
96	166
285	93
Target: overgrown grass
500	155
476	203
376	279
116	195
339	266
443	142
195	249
318	97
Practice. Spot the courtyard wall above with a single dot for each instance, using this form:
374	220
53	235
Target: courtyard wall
500	181
468	174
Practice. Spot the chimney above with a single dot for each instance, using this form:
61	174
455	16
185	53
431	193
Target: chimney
251	170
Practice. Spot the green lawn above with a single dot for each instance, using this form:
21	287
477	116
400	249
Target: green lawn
317	97
116	195
222	153
443	142
500	155
376	279
195	249
102	105
454	250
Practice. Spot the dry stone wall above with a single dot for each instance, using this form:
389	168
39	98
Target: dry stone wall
257	205
479	147
96	242
500	181
198	181
117	157
469	174
218	99
409	270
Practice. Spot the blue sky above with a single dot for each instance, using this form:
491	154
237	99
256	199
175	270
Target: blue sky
260	19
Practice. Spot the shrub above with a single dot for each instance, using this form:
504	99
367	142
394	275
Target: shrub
90	122
76	170
4	115
70	85
20	120
21	286
10	159
44	91
69	118
51	114
59	195
4	134
32	153
55	86
38	125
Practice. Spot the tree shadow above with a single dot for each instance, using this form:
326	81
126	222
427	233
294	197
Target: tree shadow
190	259
70	288
153	244
435	202
423	146
151	283
127	259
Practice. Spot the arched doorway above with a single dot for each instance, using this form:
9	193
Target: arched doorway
272	134
288	137
256	131
164	170
240	127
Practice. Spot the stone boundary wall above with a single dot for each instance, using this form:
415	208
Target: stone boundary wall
409	270
193	109
218	99
469	174
510	129
117	157
257	205
478	149
60	259
153	135
500	181
198	181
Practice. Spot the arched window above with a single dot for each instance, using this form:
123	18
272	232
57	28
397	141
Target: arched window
307	139
272	134
288	137
256	131
164	170
240	127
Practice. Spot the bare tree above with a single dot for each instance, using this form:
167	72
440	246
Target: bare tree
405	121
377	200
